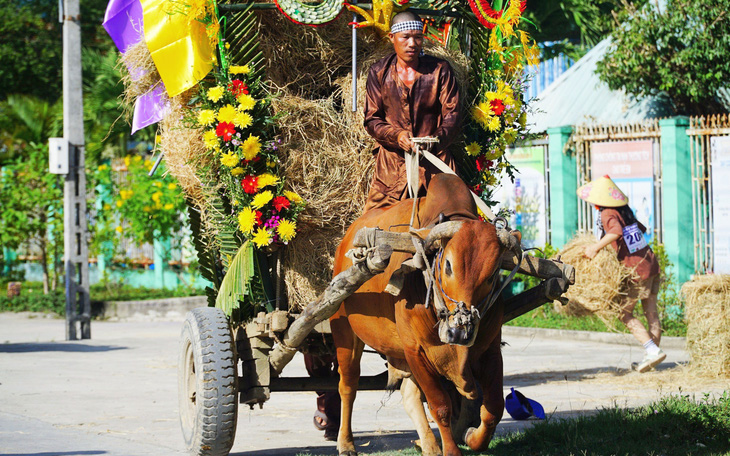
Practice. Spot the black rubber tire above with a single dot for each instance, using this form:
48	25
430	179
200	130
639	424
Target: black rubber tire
207	370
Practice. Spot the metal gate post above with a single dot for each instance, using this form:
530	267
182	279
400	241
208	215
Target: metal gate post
76	252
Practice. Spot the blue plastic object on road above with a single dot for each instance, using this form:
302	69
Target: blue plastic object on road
521	408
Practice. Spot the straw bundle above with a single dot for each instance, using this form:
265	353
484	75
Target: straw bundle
599	282
139	74
185	154
708	324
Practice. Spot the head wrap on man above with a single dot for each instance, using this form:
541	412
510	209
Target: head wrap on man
405	26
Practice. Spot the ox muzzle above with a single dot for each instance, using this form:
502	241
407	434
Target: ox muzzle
459	326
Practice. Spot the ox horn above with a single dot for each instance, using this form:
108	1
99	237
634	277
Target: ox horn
440	232
510	242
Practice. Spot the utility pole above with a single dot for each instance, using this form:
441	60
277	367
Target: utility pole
76	251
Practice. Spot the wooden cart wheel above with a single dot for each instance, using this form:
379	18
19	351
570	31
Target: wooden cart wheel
207	383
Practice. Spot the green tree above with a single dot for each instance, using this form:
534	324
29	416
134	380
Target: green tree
30	45
31	210
575	24
680	50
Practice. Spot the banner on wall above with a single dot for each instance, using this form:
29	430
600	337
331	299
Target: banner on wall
525	197
630	164
720	178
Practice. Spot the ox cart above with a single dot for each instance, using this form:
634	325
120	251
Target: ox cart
224	363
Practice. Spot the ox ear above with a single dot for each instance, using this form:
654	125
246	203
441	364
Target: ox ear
517	234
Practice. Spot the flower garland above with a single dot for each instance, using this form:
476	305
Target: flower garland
498	115
236	121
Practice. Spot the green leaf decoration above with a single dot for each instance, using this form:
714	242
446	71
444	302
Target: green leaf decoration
235	284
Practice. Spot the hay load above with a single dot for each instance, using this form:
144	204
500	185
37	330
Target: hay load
599	282
325	152
707	313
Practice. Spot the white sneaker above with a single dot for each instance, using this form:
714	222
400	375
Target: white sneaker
650	361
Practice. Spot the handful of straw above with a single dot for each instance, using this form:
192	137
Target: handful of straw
599	282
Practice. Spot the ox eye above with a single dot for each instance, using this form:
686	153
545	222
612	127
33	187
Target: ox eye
447	268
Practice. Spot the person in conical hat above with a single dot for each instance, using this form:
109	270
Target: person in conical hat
619	228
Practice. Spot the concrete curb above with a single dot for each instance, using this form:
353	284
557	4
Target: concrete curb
176	308
170	308
609	338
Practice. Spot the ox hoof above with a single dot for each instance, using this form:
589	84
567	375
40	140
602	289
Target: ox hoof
348	453
468	433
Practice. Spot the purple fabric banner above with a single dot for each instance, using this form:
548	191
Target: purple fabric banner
150	108
124	24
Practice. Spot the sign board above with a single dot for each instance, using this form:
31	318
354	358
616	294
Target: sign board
630	164
720	178
526	197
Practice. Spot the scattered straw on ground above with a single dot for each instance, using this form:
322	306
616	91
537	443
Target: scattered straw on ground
707	313
598	282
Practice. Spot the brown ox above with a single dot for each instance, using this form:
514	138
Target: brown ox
403	329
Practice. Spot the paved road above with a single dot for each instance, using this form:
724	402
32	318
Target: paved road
116	394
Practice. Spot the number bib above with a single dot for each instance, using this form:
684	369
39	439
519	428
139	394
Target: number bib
634	238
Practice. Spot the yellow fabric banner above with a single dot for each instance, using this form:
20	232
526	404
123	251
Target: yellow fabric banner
182	52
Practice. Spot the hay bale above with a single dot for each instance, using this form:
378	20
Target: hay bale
707	312
599	282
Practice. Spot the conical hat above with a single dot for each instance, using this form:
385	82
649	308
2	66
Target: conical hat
603	192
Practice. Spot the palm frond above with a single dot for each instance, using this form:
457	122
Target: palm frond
235	284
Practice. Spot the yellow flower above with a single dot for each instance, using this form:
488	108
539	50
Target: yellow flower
157	184
237	171
235	202
169	206
156	197
229	159
206	117
286	230
103	167
127	160
251	147
228	45
148	164
246	220
494	154
510	135
267	179
292	196
246	102
227	114
126	194
493	124
242	120
270	163
107	207
210	139
261	238
215	93
482	112
261	199
146	208
238	69
171	186
473	149
118	229
119	203
137	159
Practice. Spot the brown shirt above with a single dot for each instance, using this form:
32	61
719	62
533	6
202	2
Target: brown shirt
429	108
643	260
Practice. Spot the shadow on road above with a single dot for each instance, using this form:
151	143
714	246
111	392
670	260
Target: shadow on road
59	453
537	378
364	443
32	347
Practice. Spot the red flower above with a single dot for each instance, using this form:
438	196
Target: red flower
238	87
497	106
225	130
280	202
250	184
483	163
477	189
258	217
